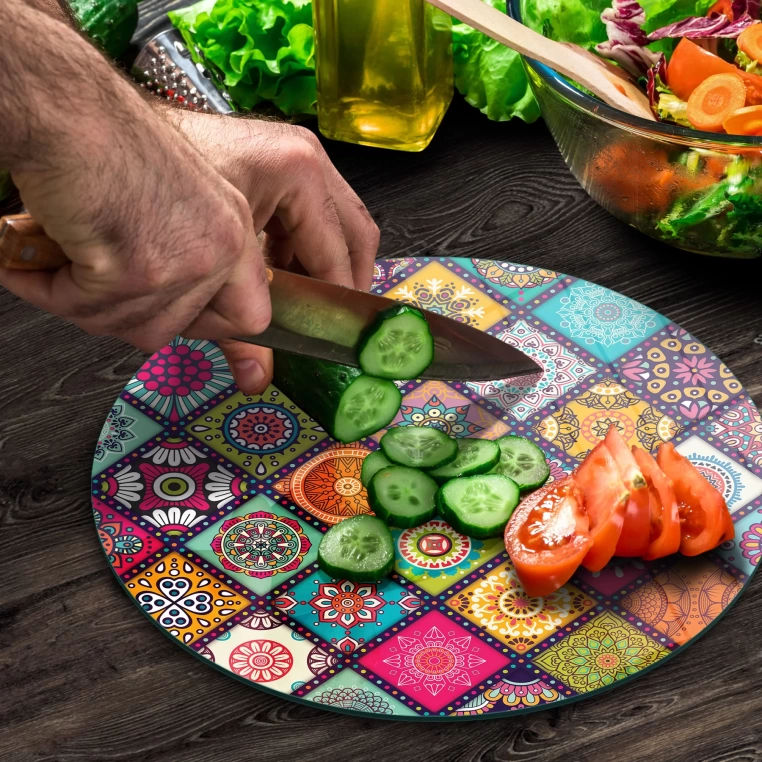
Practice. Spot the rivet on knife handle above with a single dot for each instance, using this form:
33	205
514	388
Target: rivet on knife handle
24	245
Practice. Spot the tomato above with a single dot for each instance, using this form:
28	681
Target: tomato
636	530
605	501
730	531
548	536
690	65
703	513
664	535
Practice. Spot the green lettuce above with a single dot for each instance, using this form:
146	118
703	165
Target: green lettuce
6	184
261	50
491	76
747	64
577	21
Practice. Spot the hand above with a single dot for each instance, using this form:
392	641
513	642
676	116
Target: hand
160	242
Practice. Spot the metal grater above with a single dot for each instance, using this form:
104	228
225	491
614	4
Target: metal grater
165	67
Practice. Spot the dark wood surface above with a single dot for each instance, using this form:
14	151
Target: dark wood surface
84	677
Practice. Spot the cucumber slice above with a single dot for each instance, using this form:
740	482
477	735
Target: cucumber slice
360	549
478	506
523	461
475	456
419	447
346	403
403	497
372	463
398	345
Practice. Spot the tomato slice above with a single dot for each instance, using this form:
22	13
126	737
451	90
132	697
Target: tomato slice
636	530
664	536
730	530
605	501
703	513
547	537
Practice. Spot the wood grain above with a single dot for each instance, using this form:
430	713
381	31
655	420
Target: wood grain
85	678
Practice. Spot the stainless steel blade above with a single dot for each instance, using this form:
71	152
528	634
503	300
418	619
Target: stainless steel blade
319	319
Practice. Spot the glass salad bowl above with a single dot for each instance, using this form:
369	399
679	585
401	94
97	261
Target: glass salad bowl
698	191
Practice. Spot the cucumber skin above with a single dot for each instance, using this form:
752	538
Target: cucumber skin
110	24
452	519
316	386
385	516
529	488
477	470
381	318
335	573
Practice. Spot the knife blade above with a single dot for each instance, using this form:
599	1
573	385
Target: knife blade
315	318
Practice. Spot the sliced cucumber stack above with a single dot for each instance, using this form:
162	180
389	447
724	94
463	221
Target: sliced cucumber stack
523	461
398	345
478	506
360	549
419	447
475	456
372	463
402	497
346	403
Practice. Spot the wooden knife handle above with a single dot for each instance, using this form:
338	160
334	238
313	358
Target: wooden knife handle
24	245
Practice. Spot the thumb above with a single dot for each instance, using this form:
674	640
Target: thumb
251	366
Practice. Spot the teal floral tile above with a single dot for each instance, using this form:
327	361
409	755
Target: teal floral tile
605	323
125	429
260	544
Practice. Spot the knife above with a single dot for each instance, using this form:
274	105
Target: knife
314	318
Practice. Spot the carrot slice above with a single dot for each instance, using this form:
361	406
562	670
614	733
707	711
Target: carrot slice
690	65
714	100
750	41
745	121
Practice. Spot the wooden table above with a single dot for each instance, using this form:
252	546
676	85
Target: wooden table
83	676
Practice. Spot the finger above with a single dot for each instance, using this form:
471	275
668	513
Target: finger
251	366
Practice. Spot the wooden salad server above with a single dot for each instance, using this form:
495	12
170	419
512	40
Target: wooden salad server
610	83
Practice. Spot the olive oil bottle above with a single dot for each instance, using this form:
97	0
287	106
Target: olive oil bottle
384	71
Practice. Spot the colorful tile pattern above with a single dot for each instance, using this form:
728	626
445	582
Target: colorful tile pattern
210	506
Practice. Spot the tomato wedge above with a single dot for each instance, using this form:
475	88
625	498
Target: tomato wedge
636	530
730	530
664	536
547	537
703	513
605	501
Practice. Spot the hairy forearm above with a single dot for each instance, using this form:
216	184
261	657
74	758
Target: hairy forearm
58	9
57	88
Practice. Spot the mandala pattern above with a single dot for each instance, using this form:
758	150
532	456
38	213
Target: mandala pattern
258	544
561	372
125	544
515	279
181	377
261	544
439	406
435	661
328	485
346	614
499	605
684	599
437	289
736	483
740	428
523	691
260	434
210	506
599	653
604	322
679	373
185	600
578	426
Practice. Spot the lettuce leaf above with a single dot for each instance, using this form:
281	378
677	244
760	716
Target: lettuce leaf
261	50
491	76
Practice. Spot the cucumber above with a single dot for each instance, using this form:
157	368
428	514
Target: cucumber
475	456
419	447
346	403
110	24
523	461
372	463
398	345
360	549
478	506
403	497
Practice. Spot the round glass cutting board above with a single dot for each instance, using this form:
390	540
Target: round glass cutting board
210	506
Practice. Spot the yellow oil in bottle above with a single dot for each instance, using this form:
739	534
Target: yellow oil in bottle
384	71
